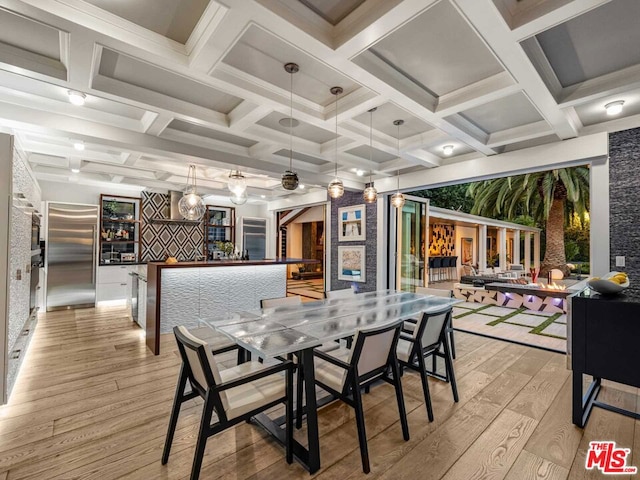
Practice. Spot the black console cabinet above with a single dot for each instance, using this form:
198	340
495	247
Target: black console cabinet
605	343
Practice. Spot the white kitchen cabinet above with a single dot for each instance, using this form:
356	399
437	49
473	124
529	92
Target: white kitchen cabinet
113	284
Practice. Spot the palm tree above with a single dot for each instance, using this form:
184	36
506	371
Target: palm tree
546	196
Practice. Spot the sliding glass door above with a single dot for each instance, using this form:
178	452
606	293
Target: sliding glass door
410	224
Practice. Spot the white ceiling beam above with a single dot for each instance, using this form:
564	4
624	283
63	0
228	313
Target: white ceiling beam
519	134
117	178
246	114
75	163
486	19
484	91
605	85
372	21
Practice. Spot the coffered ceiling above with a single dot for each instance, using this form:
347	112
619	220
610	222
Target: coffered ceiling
174	82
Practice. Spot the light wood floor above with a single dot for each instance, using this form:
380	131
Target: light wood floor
92	402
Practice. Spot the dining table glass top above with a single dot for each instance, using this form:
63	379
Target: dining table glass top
277	331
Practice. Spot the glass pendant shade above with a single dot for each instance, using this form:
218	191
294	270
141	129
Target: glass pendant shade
191	206
290	180
240	199
237	183
336	188
370	194
397	200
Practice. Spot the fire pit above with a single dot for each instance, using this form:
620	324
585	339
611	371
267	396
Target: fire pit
538	289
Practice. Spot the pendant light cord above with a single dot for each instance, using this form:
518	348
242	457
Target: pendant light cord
398	156
291	122
370	143
337	134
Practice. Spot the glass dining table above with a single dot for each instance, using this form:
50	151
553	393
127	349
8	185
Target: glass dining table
280	331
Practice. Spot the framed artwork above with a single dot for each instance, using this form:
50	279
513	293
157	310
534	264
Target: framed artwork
466	251
351	263
351	224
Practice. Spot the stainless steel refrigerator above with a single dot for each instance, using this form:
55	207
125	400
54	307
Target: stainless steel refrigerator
71	256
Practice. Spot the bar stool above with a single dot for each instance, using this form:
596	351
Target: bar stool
437	267
453	268
431	271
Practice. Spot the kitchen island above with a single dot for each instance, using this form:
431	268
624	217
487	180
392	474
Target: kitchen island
185	293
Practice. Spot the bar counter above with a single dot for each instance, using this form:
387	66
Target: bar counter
184	293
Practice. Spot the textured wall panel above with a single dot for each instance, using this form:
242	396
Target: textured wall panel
192	293
347	200
20	259
624	202
443	240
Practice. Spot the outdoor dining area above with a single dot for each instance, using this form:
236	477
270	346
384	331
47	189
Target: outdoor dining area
346	345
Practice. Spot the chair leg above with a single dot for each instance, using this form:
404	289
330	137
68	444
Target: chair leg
299	393
362	433
452	342
397	383
367	389
425	386
175	411
203	434
450	375
289	418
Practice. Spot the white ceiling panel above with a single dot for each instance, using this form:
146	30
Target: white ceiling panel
263	55
302	157
598	42
303	130
508	112
201	131
383	119
333	11
139	73
174	19
29	35
594	112
377	156
438	51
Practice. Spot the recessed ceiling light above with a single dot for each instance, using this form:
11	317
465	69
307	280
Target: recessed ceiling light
447	149
614	108
75	170
301	186
360	172
76	98
263	196
78	146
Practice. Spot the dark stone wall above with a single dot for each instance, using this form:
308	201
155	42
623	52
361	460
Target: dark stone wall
347	200
624	202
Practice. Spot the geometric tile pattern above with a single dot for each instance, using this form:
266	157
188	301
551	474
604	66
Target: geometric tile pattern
160	241
443	240
511	300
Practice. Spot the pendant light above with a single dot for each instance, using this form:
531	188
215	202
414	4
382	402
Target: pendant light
237	183
289	177
370	193
336	188
191	205
397	199
239	199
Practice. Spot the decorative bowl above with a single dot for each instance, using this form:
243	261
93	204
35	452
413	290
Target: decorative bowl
606	287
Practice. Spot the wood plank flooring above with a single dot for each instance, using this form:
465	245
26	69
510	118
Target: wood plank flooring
91	402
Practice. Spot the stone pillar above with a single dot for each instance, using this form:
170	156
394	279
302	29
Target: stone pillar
502	248
482	248
536	250
516	247
527	251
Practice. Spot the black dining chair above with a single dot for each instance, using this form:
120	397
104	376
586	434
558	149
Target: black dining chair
428	338
344	372
235	394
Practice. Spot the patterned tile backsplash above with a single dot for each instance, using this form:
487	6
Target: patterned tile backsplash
160	241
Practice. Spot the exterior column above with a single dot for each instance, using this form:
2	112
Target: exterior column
516	247
536	250
502	248
527	252
482	248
